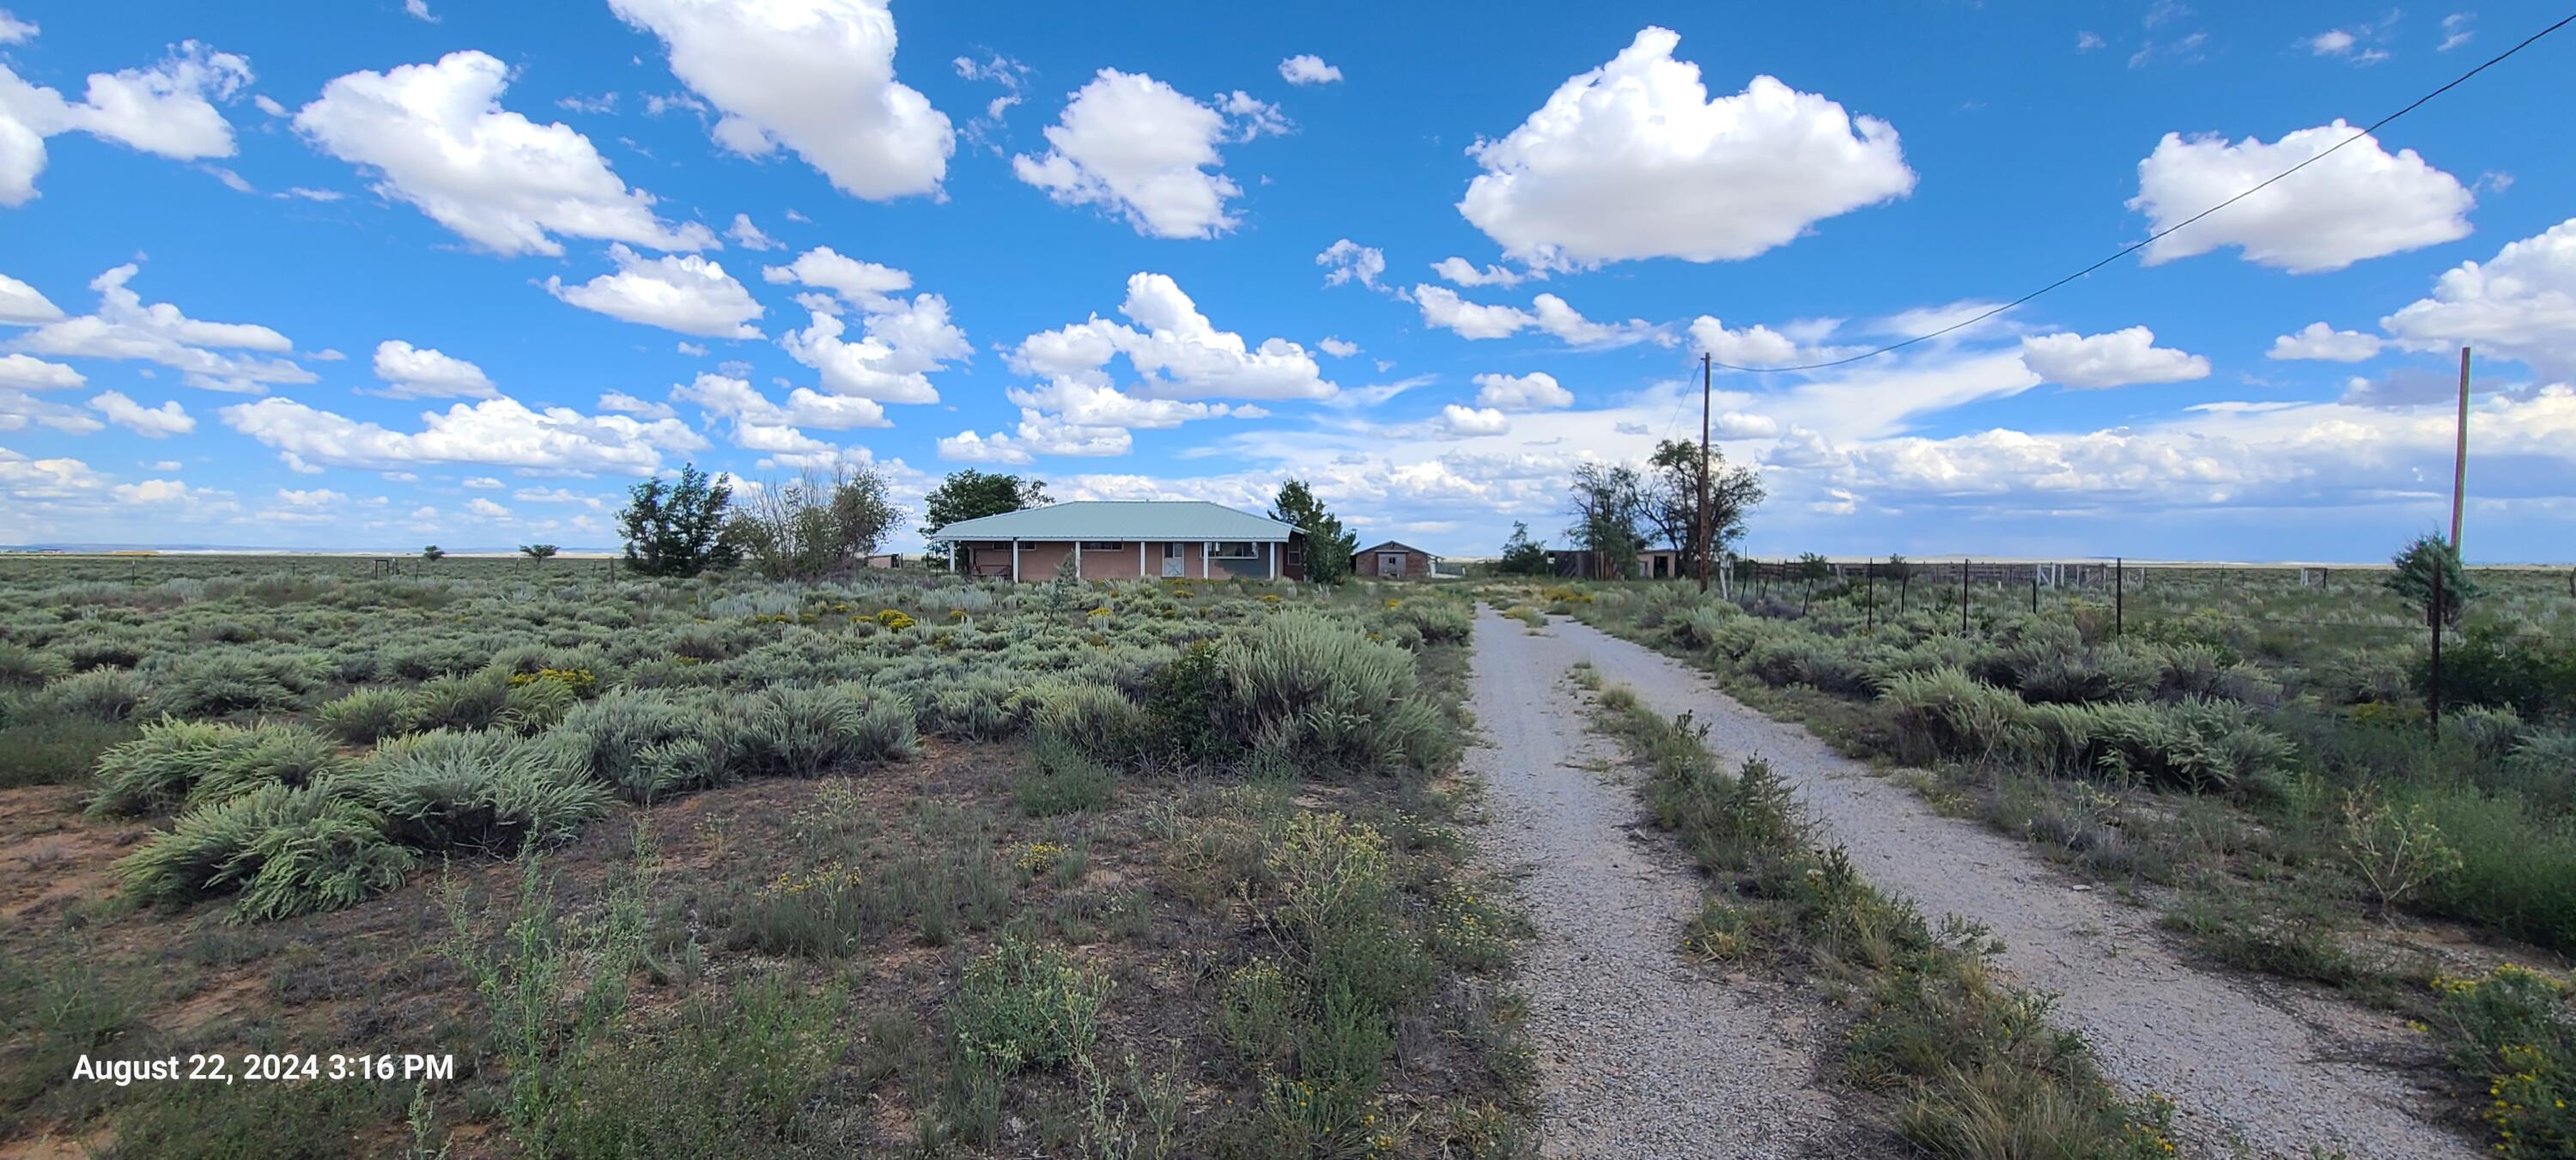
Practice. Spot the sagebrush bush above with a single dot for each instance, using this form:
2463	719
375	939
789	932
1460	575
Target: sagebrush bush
197	762
99	694
218	682
647	744
462	701
806	732
483	792
1947	713
366	716
22	667
1304	684
289	850
1433	620
2194	745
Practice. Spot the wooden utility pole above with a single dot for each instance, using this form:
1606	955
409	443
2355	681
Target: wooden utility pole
1704	546
2460	457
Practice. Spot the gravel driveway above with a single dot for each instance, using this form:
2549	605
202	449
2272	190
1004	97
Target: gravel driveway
2269	1072
1640	1055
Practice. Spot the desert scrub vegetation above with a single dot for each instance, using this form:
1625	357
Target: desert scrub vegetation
1972	1064
903	864
2239	703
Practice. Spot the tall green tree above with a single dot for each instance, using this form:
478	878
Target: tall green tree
674	527
814	526
1671	488
1608	503
969	494
1328	547
2417	564
1523	556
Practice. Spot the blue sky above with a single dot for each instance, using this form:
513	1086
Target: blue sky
377	274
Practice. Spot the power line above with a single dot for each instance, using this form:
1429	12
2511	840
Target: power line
2152	239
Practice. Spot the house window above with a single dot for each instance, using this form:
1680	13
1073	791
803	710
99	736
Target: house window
1102	545
1296	556
1237	550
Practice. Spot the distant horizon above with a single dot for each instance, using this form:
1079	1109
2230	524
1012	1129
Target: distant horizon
594	553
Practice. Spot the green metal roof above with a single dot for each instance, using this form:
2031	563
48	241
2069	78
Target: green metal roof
1123	520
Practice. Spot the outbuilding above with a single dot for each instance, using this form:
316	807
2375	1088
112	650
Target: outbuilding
1393	561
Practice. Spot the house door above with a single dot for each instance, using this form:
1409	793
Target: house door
1175	565
1390	564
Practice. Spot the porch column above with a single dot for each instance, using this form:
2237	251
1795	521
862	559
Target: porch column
1015	560
1140	560
1274	561
952	556
1207	555
1077	559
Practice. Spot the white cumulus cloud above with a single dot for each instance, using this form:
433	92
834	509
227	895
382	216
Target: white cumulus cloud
1536	391
496	432
1635	160
438	138
681	292
167	110
25	372
2520	304
1142	150
2117	359
412	372
1308	69
125	327
816	76
2322	342
2360	203
1442	308
150	422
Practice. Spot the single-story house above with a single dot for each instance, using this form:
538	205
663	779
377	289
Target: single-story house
1652	564
1393	561
1127	540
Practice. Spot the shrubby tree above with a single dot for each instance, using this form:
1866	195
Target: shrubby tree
537	551
1608	503
1671	500
1523	556
674	528
1328	547
2413	581
814	526
433	552
1811	568
969	494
